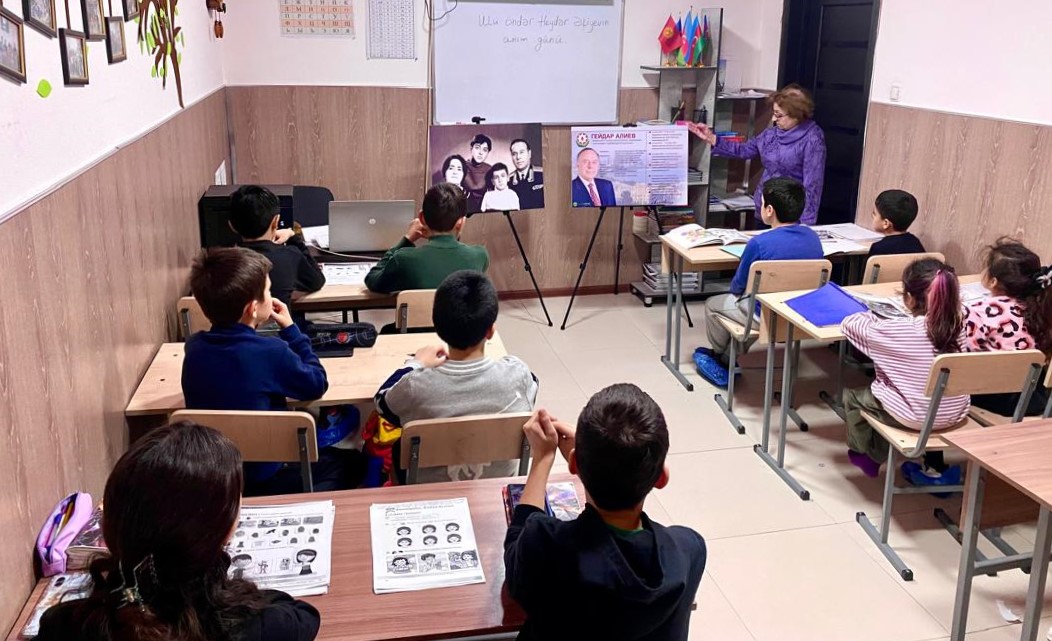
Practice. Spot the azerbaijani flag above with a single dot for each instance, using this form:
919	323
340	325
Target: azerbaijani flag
705	33
670	37
699	45
684	51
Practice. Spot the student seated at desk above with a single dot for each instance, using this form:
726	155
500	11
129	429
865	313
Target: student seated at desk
893	212
230	367
441	220
612	573
464	381
783	204
903	350
172	503
254	215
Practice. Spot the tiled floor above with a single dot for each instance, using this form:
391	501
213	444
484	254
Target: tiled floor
780	569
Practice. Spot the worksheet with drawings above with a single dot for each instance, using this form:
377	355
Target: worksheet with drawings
552	61
317	18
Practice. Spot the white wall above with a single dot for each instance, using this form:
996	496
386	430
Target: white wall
752	32
45	141
966	56
257	54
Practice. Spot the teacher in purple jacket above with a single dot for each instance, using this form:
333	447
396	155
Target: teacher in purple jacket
794	147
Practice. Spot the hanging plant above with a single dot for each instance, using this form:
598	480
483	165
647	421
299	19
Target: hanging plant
162	39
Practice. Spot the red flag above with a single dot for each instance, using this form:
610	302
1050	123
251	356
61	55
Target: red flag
670	37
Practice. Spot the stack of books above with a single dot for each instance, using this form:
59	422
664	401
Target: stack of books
653	277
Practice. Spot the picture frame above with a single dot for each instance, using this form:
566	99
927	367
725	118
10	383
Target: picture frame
40	14
12	46
131	9
116	40
74	46
94	19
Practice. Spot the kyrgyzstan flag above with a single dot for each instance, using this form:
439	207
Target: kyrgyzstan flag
670	37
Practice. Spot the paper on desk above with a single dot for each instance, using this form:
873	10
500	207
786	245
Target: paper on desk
345	273
284	547
973	292
849	231
317	236
734	250
423	544
839	246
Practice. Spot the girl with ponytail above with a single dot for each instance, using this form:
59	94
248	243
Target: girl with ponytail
903	350
1017	314
171	504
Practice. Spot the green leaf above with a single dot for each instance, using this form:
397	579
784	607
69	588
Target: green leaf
43	88
182	39
179	58
153	72
136	20
150	41
169	51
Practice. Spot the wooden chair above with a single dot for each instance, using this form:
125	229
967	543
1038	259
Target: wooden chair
986	417
467	440
413	309
888	268
950	375
191	318
265	437
765	277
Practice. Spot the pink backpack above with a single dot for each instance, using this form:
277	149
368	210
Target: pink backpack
66	521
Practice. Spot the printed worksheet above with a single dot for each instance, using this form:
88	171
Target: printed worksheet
284	547
422	545
346	273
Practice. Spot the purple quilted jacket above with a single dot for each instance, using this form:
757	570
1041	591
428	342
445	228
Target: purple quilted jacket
799	153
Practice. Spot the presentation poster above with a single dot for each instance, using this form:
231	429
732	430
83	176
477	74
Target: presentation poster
629	166
499	167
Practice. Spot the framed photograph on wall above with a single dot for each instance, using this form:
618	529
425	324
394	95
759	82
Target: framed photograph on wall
131	9
74	46
116	45
40	14
94	19
12	46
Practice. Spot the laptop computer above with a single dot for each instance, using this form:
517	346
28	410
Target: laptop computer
368	225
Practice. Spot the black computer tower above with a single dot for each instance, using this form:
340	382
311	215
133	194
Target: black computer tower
213	213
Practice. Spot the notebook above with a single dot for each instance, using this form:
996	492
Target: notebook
827	306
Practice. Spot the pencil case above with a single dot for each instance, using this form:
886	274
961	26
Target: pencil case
66	521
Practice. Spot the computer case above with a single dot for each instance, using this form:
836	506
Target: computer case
213	213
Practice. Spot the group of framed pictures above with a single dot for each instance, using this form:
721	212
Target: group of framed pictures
41	15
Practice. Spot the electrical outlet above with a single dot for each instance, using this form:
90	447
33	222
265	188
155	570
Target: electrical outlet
221	174
896	93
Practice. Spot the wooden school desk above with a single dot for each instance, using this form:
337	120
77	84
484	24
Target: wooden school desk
351	612
776	310
1018	455
352	379
674	260
342	297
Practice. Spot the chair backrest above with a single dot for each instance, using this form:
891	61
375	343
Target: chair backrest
888	268
413	309
769	276
467	440
191	318
271	437
986	372
310	205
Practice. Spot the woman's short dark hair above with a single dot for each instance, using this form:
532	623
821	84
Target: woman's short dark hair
787	196
465	308
795	101
170	504
225	279
444	204
252	209
449	160
622	441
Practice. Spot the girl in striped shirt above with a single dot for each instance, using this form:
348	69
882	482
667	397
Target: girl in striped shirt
903	350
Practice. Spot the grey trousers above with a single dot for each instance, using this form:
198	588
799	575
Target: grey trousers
728	306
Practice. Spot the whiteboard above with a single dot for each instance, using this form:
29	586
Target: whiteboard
557	61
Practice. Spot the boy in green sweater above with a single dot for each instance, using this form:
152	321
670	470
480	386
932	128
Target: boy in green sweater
406	266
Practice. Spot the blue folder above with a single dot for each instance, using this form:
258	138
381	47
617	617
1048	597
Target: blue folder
734	250
826	306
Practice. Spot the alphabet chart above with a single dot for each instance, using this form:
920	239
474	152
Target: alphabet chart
317	18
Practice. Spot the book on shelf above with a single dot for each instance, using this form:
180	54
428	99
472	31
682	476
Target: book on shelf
694	235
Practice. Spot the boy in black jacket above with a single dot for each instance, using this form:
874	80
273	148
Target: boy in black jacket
620	574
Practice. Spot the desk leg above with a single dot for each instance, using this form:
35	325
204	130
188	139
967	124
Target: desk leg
778	465
836	403
1038	574
969	548
768	384
674	299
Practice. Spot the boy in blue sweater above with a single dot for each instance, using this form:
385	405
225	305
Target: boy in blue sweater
783	203
611	573
230	367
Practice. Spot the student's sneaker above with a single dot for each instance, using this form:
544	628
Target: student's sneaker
921	476
862	461
711	369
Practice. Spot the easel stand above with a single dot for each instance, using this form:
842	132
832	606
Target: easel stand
526	264
584	263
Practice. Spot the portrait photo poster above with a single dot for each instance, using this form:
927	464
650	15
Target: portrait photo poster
284	547
422	545
499	167
628	166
